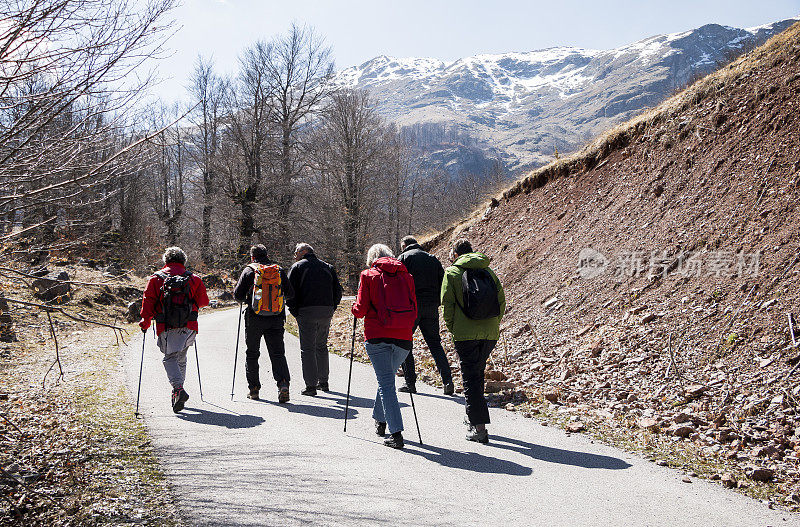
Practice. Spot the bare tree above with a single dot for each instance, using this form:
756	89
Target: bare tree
299	69
62	96
251	115
208	92
348	146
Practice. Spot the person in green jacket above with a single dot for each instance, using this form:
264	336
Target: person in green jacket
474	339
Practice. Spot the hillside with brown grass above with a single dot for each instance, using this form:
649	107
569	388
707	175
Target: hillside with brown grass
674	326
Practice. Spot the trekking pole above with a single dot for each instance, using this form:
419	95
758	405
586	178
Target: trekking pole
197	361
141	365
414	408
236	353
350	374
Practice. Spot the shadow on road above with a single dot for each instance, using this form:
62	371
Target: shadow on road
314	410
341	398
454	398
558	455
471	461
230	421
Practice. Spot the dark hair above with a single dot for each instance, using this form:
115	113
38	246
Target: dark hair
408	240
259	253
462	246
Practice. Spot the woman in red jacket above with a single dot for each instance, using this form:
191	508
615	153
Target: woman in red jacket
387	303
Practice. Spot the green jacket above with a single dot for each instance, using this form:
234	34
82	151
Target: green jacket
461	327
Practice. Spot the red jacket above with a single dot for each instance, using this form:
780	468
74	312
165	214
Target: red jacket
151	302
369	301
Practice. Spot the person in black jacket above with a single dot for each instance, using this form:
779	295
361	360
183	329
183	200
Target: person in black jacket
428	273
317	293
268	326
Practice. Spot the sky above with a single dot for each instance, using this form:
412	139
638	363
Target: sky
358	30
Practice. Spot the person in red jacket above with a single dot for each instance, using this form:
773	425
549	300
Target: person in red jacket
173	297
387	303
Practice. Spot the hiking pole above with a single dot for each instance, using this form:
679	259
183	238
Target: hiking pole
141	365
414	408
236	353
350	374
197	361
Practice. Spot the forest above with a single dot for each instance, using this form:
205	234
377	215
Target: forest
276	153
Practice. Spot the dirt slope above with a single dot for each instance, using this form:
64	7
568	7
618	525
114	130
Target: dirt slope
683	319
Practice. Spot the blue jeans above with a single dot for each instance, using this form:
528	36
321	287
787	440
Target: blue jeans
386	358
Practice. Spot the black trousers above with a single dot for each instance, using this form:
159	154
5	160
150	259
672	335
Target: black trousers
270	329
472	355
428	324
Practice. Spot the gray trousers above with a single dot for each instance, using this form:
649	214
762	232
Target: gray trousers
313	325
173	343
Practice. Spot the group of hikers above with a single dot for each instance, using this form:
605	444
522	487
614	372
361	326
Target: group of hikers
396	295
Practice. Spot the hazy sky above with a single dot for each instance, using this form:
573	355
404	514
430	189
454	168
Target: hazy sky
358	30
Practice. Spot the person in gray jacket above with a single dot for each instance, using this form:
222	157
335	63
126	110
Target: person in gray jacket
317	293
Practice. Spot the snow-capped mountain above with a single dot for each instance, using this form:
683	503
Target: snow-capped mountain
525	105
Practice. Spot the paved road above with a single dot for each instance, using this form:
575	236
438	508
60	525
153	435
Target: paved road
245	462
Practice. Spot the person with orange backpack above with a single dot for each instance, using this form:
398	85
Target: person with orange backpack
387	303
173	297
264	286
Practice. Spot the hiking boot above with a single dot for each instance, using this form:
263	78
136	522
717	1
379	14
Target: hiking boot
283	394
380	428
449	388
310	390
408	388
323	386
395	440
479	436
253	394
179	398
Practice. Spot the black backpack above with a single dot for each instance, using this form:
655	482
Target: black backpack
480	294
176	300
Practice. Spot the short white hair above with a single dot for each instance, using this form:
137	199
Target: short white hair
378	250
303	247
174	254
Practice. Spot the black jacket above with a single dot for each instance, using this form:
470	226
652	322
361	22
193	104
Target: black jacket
315	283
243	291
427	272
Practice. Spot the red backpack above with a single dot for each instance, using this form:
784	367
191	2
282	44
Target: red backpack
398	303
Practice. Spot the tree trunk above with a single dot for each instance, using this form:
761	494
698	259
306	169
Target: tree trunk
208	208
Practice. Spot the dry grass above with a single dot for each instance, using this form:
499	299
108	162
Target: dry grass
772	53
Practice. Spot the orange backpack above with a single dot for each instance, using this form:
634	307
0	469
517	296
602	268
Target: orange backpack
267	290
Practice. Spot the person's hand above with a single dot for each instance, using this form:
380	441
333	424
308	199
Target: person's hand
144	325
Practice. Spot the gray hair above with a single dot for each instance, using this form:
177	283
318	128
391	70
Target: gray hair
174	255
378	250
303	248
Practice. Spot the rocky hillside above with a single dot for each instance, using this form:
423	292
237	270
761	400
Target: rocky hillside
652	278
525	105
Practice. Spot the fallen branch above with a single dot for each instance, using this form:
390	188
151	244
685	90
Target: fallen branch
23	231
9	421
76	282
61	310
58	356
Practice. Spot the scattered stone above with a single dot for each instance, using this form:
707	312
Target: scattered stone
646	319
695	391
52	287
760	473
681	430
225	296
551	395
133	312
729	480
575	427
769	303
495	375
648	423
497	386
686	479
662	463
715	477
113	269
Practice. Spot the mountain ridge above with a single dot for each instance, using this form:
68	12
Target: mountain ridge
528	105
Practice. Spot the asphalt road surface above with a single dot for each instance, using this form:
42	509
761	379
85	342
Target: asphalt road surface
246	462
